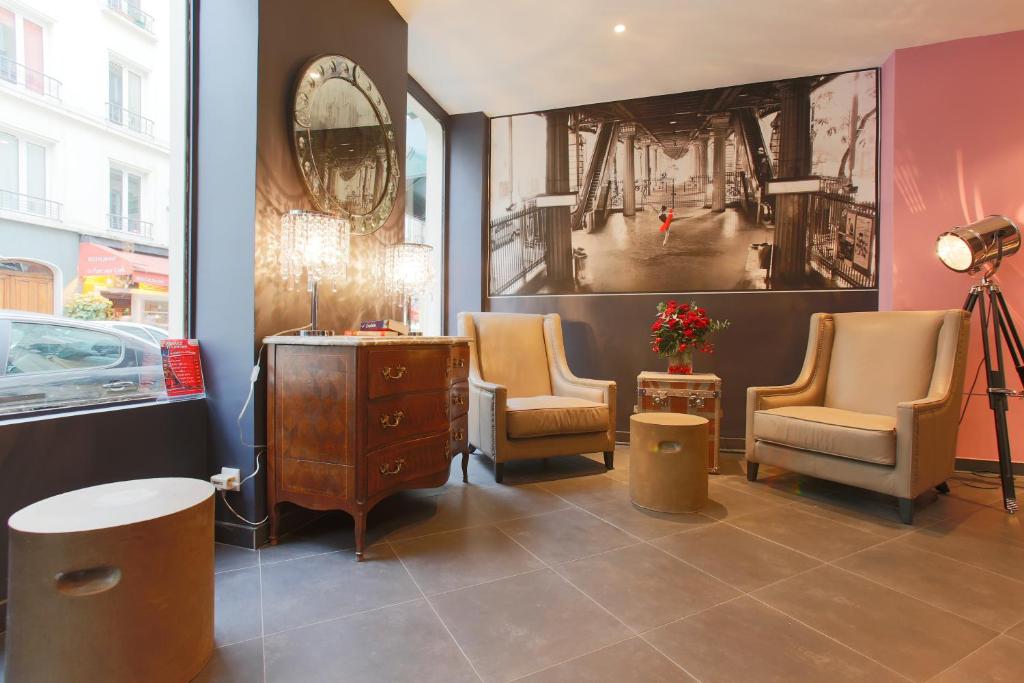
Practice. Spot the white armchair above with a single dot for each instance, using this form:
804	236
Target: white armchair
524	402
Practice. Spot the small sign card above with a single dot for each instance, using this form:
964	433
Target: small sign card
183	368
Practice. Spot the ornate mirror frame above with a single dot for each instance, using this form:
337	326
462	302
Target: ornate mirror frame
312	77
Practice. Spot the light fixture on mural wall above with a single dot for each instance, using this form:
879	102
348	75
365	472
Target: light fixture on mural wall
980	248
407	272
314	246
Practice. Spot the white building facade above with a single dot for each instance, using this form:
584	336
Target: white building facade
85	155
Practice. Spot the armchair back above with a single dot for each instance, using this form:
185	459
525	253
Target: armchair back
510	350
882	358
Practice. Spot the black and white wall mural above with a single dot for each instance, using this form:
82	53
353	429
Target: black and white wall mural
767	186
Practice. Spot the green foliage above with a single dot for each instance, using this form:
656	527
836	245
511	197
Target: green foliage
91	306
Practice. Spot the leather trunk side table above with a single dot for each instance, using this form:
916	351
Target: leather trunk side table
667	462
113	584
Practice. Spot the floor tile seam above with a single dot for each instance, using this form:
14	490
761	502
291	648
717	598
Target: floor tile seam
631	636
437	614
484	583
665	654
693	566
969	654
928	551
831	638
263	625
339	617
848	525
916	598
774	542
218	572
565	579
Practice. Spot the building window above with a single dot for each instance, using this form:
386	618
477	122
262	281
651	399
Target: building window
23	178
126	203
92	200
22	55
124	106
424	208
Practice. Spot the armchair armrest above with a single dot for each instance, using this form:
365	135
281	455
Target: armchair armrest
487	404
809	387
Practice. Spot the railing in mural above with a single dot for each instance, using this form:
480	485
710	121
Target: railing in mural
518	248
841	240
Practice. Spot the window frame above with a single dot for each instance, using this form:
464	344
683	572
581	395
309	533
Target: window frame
417	92
188	82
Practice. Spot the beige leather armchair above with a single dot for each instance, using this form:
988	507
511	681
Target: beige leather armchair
876	404
524	402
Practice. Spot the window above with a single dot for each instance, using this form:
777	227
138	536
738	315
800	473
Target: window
22	54
125	99
424	209
92	199
126	203
23	177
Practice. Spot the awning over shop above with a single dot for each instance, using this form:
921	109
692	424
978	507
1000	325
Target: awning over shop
96	259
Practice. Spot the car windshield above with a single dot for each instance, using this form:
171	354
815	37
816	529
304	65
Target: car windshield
37	347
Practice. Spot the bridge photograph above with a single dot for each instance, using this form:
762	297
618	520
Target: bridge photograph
765	186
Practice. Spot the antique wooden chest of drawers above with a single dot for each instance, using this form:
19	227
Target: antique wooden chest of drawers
699	395
351	420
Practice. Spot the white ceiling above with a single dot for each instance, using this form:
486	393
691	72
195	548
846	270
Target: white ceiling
514	56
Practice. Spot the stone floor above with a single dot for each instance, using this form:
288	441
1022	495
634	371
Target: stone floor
555	576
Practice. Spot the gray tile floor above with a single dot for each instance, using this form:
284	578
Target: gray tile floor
555	576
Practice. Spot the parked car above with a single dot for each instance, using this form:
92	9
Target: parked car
48	361
141	330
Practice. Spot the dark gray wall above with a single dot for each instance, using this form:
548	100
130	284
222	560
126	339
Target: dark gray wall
468	136
225	188
41	457
607	337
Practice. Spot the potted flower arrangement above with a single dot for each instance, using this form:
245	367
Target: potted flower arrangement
679	330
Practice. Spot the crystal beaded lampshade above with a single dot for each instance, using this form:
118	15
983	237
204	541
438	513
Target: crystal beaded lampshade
313	248
407	268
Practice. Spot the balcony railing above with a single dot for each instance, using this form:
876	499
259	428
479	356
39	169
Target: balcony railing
129	119
132	13
30	79
33	206
131	226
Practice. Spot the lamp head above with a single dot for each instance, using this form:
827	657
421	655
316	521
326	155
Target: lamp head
985	243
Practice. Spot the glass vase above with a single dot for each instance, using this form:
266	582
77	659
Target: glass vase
681	363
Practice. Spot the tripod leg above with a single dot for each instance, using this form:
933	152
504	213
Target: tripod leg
997	397
972	299
1010	335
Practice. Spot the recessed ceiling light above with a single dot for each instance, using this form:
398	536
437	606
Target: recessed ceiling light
620	28
671	123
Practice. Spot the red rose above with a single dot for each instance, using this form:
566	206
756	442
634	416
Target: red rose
674	323
688	332
685	308
656	326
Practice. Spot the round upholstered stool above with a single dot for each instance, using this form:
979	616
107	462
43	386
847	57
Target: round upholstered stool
668	461
112	583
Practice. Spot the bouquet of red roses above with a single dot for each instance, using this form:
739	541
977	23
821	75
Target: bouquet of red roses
680	329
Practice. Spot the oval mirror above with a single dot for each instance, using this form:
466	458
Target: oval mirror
345	143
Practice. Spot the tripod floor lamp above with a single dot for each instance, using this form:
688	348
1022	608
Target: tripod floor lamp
980	248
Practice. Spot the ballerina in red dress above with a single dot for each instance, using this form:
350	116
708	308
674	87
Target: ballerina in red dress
666	225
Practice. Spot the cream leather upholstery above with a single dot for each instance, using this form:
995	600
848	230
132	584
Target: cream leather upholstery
876	404
524	401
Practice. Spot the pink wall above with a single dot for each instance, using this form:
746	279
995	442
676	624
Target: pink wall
952	152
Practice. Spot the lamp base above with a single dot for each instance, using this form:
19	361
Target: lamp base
316	333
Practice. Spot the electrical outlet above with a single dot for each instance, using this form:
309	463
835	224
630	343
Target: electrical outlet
229	479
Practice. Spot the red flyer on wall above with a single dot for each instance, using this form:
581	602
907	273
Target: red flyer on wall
183	369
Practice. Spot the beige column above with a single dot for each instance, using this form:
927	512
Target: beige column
720	130
556	219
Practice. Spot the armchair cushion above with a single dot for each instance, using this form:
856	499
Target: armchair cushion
512	353
533	416
842	433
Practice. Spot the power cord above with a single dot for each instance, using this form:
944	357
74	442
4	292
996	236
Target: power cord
253	376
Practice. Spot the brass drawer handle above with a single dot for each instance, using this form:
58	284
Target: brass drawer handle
458	435
459	363
460	400
391	421
396	372
389	471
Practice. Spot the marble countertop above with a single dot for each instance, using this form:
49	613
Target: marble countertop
343	340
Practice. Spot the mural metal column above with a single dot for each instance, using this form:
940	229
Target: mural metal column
629	173
720	128
701	150
556	219
790	258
